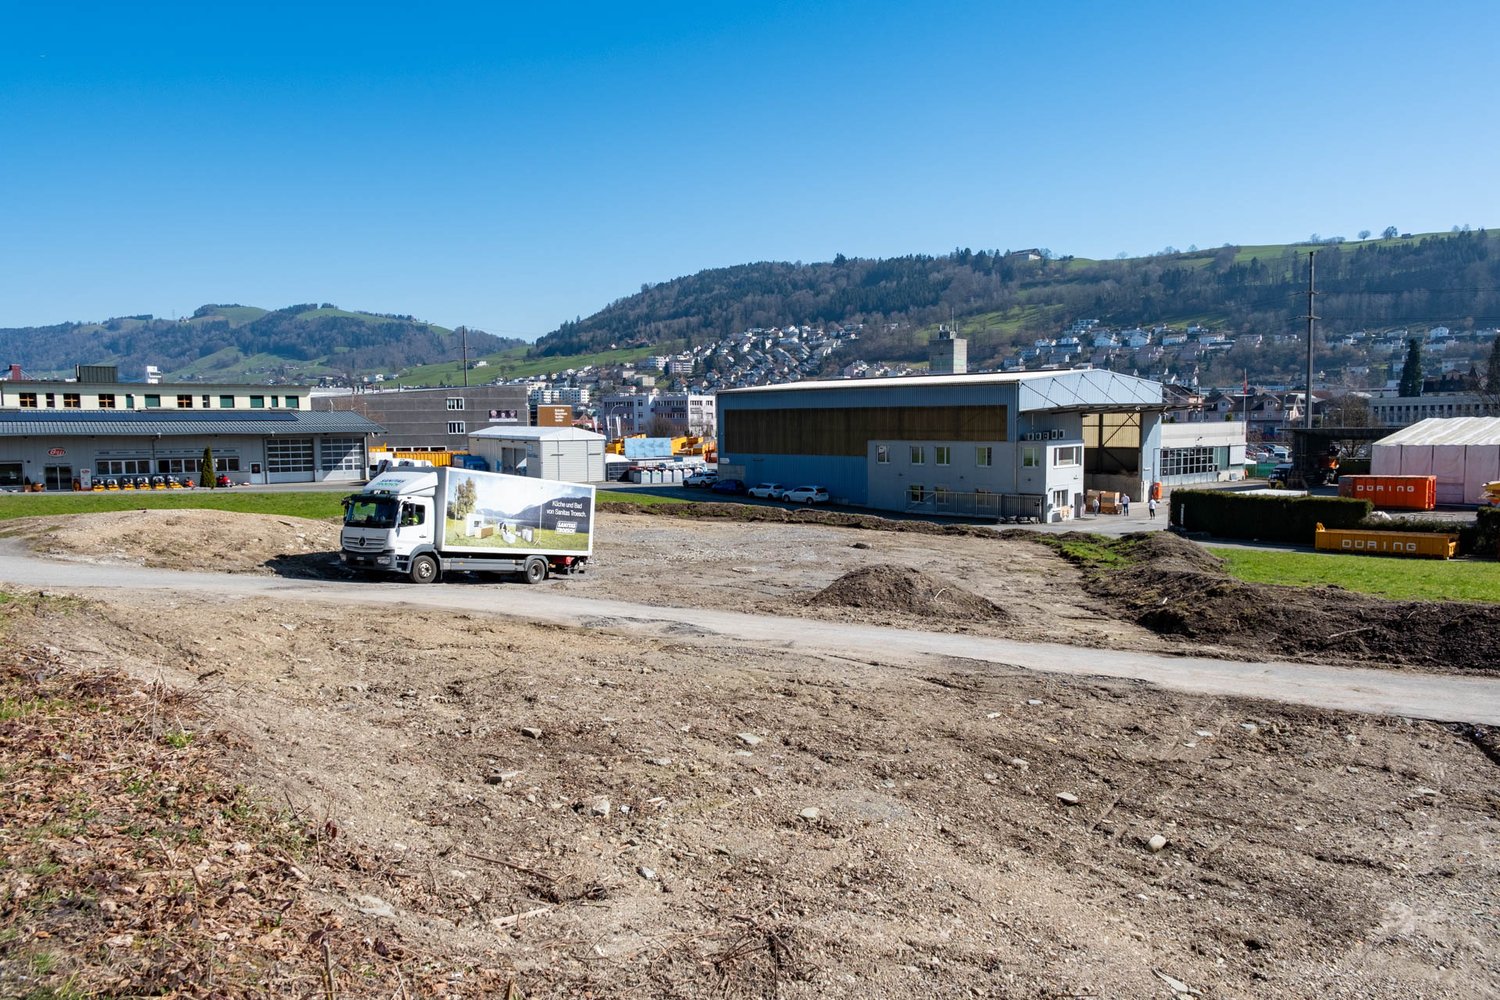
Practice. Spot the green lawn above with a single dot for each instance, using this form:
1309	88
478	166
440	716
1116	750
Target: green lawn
1385	576
317	505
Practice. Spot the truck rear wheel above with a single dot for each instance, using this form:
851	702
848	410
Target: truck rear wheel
424	569
535	570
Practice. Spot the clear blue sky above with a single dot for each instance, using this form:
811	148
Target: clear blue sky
511	168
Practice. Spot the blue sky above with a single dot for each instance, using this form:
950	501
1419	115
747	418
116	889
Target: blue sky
511	168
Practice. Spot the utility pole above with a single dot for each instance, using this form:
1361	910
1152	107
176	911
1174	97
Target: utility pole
463	332
1312	271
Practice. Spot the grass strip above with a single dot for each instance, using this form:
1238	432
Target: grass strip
1382	576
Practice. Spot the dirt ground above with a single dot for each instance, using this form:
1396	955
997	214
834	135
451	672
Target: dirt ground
588	814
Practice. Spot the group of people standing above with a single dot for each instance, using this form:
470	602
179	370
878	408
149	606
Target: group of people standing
1124	505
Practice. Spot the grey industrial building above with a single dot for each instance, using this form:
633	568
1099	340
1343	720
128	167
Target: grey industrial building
56	433
990	444
438	419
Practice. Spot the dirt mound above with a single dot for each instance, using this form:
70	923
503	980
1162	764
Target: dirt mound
1180	590
793	515
1164	550
215	541
905	591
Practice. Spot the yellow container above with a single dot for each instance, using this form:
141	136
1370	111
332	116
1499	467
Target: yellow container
1360	541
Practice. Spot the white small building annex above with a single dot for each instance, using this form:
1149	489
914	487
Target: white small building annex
1463	452
566	454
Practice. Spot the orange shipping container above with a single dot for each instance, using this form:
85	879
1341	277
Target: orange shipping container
1402	492
1358	541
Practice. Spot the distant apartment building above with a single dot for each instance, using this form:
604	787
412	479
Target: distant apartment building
625	414
1403	411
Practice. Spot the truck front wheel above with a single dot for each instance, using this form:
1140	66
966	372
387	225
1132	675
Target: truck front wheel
424	569
535	571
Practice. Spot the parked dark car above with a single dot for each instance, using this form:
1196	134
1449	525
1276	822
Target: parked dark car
734	487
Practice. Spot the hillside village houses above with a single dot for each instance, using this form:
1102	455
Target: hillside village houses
626	398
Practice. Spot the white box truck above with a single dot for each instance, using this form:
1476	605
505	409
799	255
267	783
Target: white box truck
421	523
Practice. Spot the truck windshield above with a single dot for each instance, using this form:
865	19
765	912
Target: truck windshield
371	512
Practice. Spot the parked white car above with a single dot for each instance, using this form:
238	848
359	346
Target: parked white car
767	491
806	494
703	477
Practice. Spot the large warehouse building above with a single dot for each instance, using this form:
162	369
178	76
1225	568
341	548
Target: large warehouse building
1027	444
55	434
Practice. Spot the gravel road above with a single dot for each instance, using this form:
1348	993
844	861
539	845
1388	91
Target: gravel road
1424	696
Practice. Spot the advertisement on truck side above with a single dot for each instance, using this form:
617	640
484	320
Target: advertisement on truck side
500	513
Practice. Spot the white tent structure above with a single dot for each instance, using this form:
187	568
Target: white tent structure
1463	452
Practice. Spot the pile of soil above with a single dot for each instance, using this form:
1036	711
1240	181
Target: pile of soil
905	591
213	541
1175	588
794	515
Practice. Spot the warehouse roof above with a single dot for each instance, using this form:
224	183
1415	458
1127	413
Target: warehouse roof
1448	430
538	434
1064	389
132	423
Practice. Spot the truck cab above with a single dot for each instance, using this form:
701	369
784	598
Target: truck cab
391	522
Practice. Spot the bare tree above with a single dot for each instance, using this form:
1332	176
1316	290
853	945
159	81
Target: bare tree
1348	410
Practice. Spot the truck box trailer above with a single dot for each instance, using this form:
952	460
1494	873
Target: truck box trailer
421	523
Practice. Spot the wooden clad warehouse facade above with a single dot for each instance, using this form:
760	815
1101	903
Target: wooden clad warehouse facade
850	431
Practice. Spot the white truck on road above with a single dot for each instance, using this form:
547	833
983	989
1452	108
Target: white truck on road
423	522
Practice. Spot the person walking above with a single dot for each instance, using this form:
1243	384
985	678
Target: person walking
1151	507
1125	504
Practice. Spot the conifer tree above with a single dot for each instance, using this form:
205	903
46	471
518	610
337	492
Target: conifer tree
1411	372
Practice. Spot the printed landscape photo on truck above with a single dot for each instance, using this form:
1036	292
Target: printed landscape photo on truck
504	512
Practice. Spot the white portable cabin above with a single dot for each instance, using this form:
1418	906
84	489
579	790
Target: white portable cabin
1462	452
565	454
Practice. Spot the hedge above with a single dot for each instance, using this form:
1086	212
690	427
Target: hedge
1292	519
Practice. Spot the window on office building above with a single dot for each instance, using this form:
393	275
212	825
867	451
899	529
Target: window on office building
456	427
185	402
1193	461
455	402
257	402
942	454
72	401
28	401
918	454
153	402
984	456
226	402
106	401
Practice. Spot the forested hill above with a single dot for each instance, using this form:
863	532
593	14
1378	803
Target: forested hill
233	343
999	299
